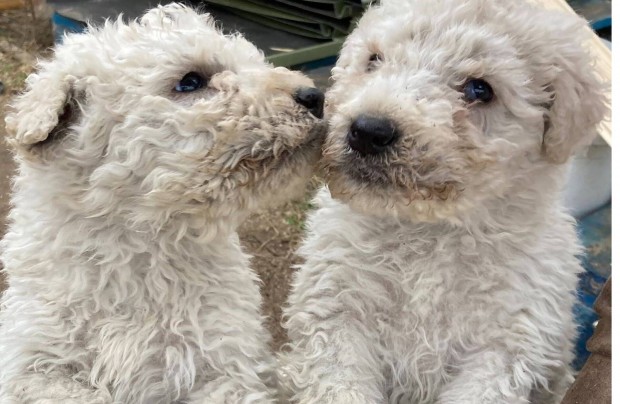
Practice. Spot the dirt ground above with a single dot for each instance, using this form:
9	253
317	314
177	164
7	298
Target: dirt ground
270	237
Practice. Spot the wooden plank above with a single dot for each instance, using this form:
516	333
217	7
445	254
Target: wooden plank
11	4
600	52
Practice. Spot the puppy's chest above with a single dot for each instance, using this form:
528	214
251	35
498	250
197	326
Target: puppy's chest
437	302
152	330
148	356
441	306
436	284
436	293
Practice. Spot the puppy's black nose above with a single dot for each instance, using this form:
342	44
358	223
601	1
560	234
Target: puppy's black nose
311	98
370	135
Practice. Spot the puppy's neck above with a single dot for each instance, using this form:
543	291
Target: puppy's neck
80	234
524	206
532	196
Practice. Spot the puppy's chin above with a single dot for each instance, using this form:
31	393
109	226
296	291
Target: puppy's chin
285	178
389	201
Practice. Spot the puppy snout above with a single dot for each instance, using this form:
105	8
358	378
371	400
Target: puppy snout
311	98
371	135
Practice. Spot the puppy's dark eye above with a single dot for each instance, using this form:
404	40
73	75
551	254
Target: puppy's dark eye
373	62
478	90
192	81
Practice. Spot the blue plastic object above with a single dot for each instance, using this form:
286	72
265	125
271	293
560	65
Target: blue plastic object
595	234
597	12
63	25
601	24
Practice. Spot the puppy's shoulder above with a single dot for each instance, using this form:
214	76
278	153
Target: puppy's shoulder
329	211
332	220
324	201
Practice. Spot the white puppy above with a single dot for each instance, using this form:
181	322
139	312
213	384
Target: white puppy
141	147
444	269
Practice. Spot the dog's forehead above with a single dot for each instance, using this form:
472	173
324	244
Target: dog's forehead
144	44
175	16
448	36
426	25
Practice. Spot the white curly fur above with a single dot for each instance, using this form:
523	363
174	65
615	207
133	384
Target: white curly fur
127	283
443	270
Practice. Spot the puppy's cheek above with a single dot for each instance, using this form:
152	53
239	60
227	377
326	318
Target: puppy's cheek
335	145
330	108
294	188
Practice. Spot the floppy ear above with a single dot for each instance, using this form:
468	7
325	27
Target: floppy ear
579	100
43	110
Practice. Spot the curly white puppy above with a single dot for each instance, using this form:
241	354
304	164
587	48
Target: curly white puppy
444	268
141	146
